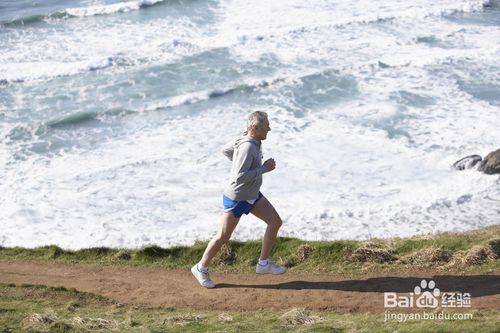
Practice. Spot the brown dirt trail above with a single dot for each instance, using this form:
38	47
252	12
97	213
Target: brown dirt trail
155	286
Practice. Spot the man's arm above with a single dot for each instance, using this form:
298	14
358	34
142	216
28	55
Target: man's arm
243	162
228	150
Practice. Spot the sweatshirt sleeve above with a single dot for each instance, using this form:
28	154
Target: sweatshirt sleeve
228	150
242	163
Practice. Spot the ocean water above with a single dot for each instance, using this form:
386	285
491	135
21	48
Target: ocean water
112	115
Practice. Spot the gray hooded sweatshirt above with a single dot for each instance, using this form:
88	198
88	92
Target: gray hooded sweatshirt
247	168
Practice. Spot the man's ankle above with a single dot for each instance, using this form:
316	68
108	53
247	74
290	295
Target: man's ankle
201	268
263	262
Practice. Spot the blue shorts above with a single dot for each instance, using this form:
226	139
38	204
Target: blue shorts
238	207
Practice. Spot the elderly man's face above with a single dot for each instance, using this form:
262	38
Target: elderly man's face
261	133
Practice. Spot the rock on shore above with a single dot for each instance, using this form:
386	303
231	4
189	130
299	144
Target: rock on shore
467	162
489	165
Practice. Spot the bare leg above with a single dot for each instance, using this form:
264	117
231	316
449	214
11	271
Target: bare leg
266	212
227	224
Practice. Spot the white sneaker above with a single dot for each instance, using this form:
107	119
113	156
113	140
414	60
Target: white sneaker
270	268
203	278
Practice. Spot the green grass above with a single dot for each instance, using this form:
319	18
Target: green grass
28	308
341	257
40	309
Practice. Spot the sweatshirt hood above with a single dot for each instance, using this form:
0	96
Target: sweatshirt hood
244	139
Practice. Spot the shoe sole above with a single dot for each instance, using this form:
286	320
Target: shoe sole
270	273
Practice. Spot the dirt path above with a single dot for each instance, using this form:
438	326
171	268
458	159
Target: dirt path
166	287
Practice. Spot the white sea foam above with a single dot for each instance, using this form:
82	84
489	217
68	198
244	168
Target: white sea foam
368	112
242	27
119	7
142	191
15	72
26	56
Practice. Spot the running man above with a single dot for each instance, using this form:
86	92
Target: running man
242	196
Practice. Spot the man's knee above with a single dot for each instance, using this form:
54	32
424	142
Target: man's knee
277	222
222	237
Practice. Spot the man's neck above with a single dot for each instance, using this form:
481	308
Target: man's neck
252	135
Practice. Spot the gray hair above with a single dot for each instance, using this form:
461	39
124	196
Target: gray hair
256	120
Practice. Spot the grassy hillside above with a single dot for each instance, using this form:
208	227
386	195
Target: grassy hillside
472	251
38	309
29	308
